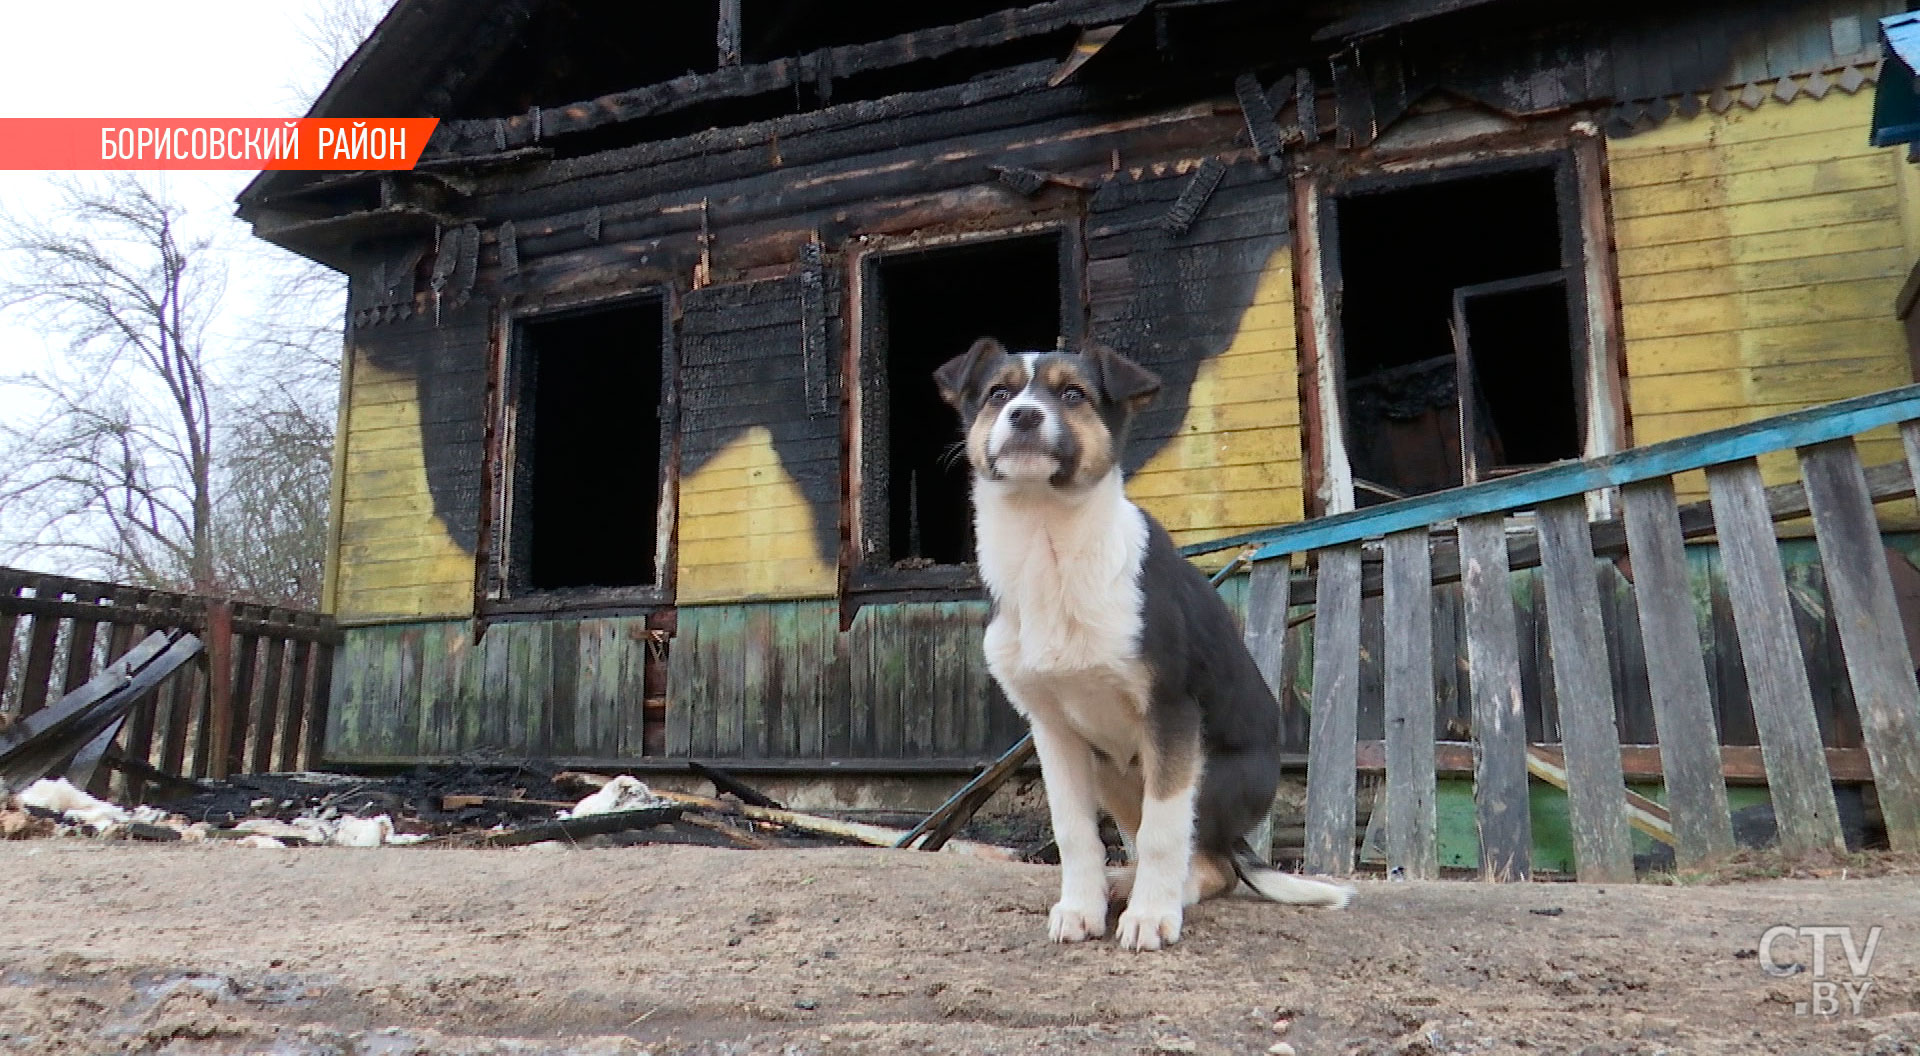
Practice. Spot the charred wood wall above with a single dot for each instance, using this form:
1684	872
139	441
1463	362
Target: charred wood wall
774	222
1208	305
760	441
759	402
409	506
1189	266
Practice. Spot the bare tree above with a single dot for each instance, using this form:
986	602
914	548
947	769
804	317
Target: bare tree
166	452
275	454
177	442
119	468
270	535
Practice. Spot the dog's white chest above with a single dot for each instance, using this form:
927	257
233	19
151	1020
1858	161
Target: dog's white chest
1065	637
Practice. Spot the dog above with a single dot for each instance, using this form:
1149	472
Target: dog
1129	668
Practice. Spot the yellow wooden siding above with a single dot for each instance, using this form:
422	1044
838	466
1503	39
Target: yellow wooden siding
395	559
1235	464
746	531
1760	252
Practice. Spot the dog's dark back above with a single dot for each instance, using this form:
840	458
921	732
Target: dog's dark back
1205	678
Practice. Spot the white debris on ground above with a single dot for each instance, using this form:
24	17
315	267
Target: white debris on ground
59	796
76	807
362	832
622	793
25	815
376	831
490	805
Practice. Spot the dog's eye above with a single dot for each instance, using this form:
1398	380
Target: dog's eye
1072	394
999	394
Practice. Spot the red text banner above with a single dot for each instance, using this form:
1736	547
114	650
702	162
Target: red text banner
150	144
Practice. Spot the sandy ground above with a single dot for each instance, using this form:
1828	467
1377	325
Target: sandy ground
222	949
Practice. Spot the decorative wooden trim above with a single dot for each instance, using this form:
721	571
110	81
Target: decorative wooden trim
1848	76
815	355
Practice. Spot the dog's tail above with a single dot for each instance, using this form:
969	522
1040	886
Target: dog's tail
1278	886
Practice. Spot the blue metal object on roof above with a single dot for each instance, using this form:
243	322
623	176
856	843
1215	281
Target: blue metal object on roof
1896	107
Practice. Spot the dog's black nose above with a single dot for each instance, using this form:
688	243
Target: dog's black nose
1025	417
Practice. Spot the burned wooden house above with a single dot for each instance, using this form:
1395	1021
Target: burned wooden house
638	455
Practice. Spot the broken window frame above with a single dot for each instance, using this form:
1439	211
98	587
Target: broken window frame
511	453
867	512
1569	146
1467	377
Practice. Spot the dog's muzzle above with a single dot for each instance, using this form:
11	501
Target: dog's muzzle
1024	444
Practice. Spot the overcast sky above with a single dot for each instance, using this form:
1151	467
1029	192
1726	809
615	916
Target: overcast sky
151	58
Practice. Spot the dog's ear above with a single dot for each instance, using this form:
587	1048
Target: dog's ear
1125	382
959	377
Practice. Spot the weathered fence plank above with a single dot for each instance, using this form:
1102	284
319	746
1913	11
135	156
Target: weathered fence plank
1596	790
177	728
314	726
8	622
43	635
267	712
1266	626
1879	665
1797	777
80	642
1499	719
1677	672
1336	700
233	737
1408	608
299	695
211	751
179	694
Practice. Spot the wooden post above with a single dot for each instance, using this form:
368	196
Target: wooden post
1797	777
1677	674
1596	788
1336	701
1860	589
1408	606
219	726
1501	806
727	33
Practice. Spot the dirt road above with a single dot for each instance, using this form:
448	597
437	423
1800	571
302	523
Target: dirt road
222	949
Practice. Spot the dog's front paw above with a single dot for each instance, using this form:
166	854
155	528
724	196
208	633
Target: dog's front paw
1146	927
1076	921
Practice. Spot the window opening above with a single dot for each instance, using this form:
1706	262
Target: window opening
1407	256
589	471
931	305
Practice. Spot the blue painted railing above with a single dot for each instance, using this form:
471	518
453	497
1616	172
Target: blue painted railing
1815	425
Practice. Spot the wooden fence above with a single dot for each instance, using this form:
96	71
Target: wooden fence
254	701
1477	536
